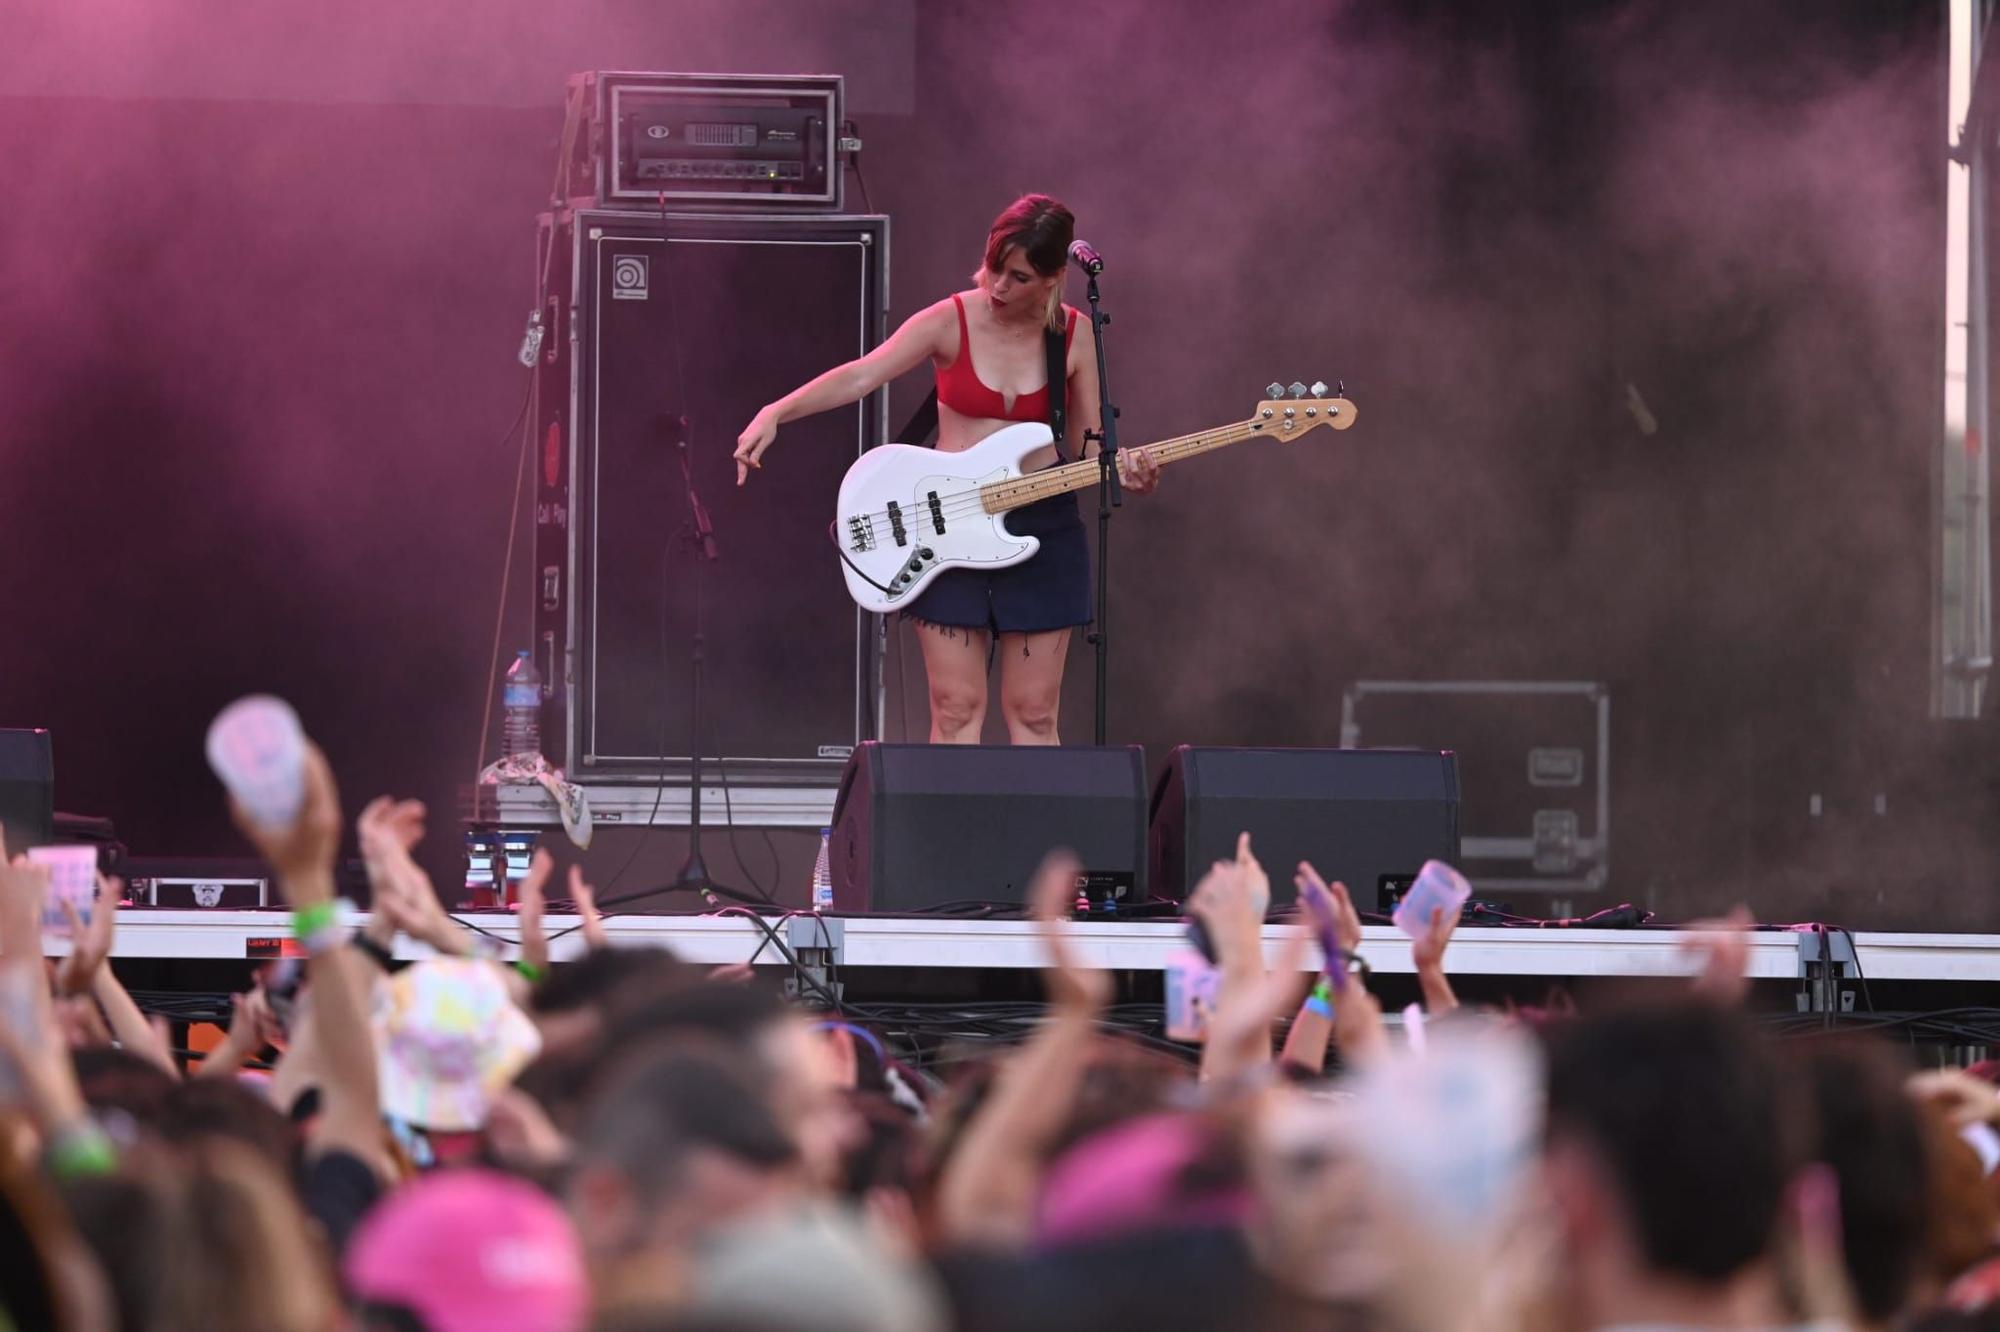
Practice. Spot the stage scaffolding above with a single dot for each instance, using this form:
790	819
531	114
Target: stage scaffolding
1962	604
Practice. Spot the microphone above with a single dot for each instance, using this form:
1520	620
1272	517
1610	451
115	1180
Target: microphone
1084	256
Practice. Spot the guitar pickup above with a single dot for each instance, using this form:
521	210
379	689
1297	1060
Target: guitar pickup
896	523
860	533
937	512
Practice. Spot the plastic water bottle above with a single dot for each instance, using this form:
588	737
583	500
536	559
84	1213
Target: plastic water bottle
823	872
521	708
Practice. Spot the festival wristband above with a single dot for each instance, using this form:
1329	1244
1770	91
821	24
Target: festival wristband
1320	1001
313	918
375	952
83	1150
325	940
319	929
535	974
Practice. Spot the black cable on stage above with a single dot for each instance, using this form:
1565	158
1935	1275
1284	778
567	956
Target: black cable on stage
1854	947
729	826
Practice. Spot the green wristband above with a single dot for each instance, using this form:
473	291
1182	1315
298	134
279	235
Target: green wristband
310	920
84	1150
534	973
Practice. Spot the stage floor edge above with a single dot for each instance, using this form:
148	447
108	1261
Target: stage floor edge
916	943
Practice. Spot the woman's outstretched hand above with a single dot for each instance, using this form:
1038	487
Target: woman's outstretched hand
750	445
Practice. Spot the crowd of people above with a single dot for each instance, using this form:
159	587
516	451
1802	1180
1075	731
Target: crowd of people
627	1141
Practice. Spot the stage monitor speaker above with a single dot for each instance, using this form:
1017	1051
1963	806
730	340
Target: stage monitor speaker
1367	817
27	788
683	328
920	827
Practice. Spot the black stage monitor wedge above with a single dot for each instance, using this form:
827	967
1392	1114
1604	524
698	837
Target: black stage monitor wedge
1367	817
923	827
27	788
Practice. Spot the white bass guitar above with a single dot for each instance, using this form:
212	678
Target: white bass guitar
907	514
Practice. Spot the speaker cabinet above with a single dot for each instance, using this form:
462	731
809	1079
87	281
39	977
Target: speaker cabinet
919	827
27	788
664	335
1367	817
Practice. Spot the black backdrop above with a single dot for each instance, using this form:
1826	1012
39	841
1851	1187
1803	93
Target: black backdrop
256	368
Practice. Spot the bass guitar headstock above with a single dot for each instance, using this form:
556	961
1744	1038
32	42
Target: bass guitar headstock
1305	409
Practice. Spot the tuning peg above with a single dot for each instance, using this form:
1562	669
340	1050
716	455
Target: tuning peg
1318	389
1298	389
1274	390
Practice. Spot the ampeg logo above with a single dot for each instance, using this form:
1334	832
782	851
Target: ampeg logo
628	277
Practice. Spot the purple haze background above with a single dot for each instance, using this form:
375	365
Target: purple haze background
264	268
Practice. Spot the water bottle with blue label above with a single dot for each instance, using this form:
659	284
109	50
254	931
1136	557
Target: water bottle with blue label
521	708
823	872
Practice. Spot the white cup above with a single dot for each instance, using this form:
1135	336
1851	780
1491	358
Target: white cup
1438	885
258	749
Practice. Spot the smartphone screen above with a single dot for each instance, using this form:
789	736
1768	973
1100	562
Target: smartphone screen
1191	982
72	879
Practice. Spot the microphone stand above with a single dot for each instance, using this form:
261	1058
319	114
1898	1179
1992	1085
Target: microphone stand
1110	494
699	534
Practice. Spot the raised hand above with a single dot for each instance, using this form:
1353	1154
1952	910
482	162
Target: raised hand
385	827
303	854
1428	951
1073	987
585	898
411	904
33	1044
252	1026
1239	1030
1253	874
89	944
1347	921
1723	948
403	897
534	904
1228	905
1957	1095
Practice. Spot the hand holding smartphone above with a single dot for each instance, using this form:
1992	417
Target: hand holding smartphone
1192	981
72	879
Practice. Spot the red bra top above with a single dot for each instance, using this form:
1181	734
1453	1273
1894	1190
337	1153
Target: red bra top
960	388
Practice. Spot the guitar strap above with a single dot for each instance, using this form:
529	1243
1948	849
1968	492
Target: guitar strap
923	422
1053	346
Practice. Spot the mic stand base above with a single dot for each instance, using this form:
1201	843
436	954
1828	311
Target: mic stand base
694	876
